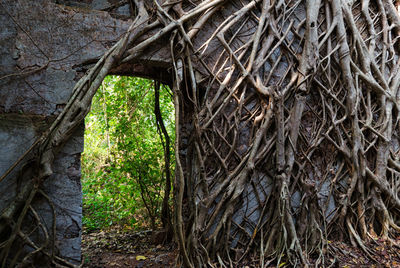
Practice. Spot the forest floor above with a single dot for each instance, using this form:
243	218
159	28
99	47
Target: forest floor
119	249
116	248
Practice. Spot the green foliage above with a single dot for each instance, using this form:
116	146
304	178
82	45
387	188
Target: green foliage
123	164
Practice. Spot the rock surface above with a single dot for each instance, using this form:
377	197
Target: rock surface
45	47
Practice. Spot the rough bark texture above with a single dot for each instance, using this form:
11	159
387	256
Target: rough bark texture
287	124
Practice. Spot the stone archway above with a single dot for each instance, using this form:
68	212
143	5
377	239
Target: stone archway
295	109
45	48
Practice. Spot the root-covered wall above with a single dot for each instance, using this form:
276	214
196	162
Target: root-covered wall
17	133
287	119
44	49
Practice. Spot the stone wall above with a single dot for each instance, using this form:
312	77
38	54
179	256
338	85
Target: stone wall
45	47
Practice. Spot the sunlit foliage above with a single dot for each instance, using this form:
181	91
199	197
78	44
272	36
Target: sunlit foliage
123	167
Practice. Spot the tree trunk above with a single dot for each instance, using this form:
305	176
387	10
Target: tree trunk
165	210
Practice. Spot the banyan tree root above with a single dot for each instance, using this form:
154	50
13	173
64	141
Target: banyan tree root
291	113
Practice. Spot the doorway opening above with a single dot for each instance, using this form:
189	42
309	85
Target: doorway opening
124	171
128	160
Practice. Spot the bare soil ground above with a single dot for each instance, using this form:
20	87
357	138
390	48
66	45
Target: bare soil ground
116	248
119	249
382	254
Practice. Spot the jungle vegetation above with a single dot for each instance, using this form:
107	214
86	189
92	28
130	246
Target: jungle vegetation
123	167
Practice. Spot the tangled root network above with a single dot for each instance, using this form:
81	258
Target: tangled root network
287	117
